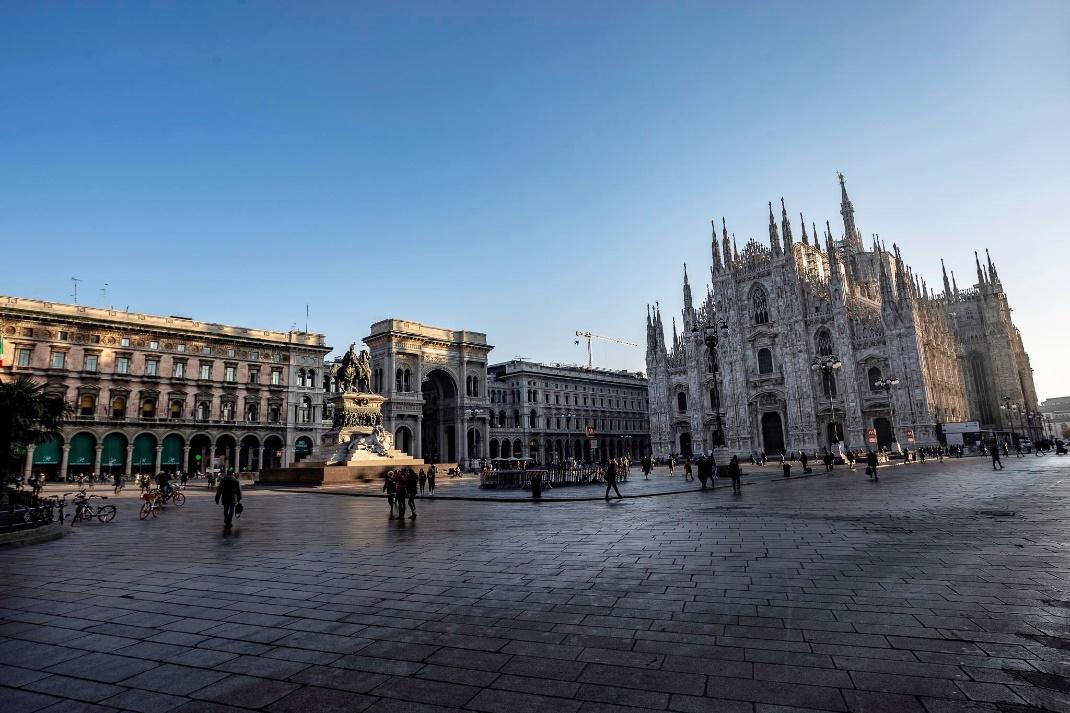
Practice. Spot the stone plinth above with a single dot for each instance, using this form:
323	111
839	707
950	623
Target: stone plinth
356	448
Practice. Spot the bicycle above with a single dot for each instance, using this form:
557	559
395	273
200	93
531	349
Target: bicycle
151	504
174	496
84	511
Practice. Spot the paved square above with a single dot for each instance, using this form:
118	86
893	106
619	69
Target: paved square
942	587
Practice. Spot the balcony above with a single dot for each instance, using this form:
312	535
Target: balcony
160	421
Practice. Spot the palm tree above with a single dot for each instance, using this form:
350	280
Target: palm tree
28	416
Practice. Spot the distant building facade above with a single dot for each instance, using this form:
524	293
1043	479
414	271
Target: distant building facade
154	393
1056	412
777	308
435	382
552	412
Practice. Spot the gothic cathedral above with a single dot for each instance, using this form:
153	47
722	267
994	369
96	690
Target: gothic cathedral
800	345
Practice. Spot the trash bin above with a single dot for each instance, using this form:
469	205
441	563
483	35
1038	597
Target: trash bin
536	486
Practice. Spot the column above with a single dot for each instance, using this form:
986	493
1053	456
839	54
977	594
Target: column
259	457
159	457
232	463
129	459
417	438
185	458
96	458
63	461
27	468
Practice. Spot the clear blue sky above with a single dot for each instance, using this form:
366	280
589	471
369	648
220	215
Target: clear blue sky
523	169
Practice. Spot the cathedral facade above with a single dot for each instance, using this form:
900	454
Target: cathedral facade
803	344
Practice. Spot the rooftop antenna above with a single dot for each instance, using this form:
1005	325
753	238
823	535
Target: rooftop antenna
306	318
104	294
75	280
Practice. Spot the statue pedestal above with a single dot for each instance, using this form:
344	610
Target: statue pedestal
356	448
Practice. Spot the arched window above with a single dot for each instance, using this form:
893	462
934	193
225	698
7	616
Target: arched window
202	411
873	376
824	343
87	405
304	411
176	409
227	410
715	399
765	361
397	380
475	386
148	408
516	419
406	380
502	423
493	419
301	377
252	413
533	419
311	379
681	402
326	382
761	306
118	407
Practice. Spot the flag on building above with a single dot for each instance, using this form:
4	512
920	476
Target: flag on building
1	351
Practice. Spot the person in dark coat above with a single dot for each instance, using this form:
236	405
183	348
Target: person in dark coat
390	488
703	470
611	480
229	492
735	473
871	465
412	486
648	465
803	459
995	458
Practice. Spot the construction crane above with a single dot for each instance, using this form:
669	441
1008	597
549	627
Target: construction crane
589	337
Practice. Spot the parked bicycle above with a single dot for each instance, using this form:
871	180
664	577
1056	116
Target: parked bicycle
84	511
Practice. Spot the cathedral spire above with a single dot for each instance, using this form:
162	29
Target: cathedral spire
689	306
947	285
981	282
727	245
887	298
852	238
717	264
785	227
675	336
774	237
902	279
992	271
802	222
954	285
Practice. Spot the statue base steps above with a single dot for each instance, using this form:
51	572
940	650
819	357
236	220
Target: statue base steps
320	474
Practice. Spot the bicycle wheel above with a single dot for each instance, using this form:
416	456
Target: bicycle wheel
178	499
87	513
106	513
146	508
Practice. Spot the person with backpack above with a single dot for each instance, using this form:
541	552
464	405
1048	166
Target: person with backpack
229	493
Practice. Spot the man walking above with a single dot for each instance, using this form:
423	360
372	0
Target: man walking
229	492
647	467
871	465
412	486
995	457
390	488
611	480
735	473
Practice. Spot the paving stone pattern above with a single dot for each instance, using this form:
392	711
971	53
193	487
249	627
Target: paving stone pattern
940	588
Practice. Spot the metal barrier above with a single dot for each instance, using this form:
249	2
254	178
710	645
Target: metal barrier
552	477
22	511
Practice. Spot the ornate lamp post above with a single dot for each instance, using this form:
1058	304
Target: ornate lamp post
471	414
886	385
711	337
568	416
827	366
1010	407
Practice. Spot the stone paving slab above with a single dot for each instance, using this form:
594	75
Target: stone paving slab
942	587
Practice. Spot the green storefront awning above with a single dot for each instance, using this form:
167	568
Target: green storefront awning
172	450
83	449
113	452
144	450
50	452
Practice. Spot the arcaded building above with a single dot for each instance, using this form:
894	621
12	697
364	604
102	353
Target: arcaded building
802	345
553	412
152	393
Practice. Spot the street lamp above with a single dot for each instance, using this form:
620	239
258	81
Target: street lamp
828	365
886	385
710	337
471	414
1010	407
568	416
